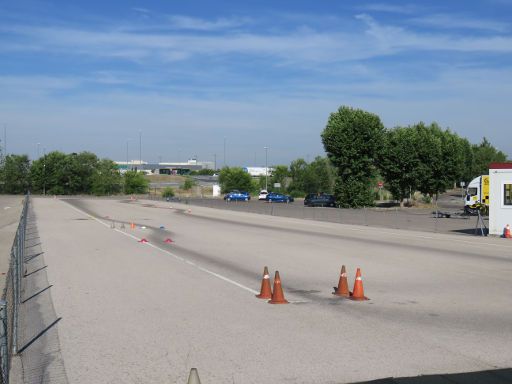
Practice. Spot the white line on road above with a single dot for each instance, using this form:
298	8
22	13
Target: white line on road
170	254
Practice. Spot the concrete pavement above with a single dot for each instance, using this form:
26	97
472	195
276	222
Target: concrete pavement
135	312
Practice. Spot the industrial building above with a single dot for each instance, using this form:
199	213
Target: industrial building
165	168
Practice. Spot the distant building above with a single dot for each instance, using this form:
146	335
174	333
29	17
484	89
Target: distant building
258	171
165	168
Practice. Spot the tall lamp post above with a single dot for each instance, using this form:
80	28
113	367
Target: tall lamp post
127	157
266	168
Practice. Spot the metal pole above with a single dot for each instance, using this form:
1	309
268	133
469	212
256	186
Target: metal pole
127	154
266	168
224	151
140	149
437	216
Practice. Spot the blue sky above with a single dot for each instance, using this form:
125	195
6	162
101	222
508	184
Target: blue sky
89	75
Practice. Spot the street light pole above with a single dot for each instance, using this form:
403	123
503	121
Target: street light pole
38	144
127	157
140	150
224	151
214	161
266	168
44	172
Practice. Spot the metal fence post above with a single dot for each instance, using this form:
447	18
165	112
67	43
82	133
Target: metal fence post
4	351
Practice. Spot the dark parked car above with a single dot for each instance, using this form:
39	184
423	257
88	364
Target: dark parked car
237	196
278	198
319	200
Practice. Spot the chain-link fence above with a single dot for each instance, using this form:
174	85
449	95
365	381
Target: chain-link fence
11	298
432	219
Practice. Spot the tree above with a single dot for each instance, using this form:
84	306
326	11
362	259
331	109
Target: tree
319	176
279	175
168	192
353	139
50	174
298	169
234	178
399	162
188	184
15	174
484	154
134	182
106	179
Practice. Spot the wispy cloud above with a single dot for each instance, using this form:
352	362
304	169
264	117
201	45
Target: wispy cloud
391	39
290	48
196	24
389	8
443	21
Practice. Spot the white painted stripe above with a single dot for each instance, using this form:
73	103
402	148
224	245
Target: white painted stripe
171	254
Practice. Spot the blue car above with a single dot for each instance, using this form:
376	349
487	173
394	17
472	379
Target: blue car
278	198
237	196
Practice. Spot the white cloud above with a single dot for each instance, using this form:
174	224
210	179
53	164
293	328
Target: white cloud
454	21
192	23
389	8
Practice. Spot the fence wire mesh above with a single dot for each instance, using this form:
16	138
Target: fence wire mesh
9	305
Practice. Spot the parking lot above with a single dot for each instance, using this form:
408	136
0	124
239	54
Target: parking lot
418	219
148	312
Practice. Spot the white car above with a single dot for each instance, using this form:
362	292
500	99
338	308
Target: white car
263	194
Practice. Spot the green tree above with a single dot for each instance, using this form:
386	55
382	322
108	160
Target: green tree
50	174
484	154
399	162
442	158
298	170
15	174
279	175
168	192
188	184
135	182
353	140
106	179
231	178
320	176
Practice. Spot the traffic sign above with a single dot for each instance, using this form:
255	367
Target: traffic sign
380	184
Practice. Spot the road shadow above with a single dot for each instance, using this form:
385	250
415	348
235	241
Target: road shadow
496	376
34	339
472	231
36	294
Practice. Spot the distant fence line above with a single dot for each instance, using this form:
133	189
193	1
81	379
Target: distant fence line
11	298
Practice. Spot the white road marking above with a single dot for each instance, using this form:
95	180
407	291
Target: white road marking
219	276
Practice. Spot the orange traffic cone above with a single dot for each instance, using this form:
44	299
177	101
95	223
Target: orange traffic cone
132	225
277	295
143	240
358	293
342	289
506	233
266	290
168	240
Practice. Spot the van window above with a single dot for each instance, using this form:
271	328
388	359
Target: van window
507	194
472	191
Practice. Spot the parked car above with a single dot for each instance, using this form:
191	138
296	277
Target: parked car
263	194
278	198
237	196
319	200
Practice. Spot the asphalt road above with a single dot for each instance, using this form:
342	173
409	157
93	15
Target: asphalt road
418	219
146	313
